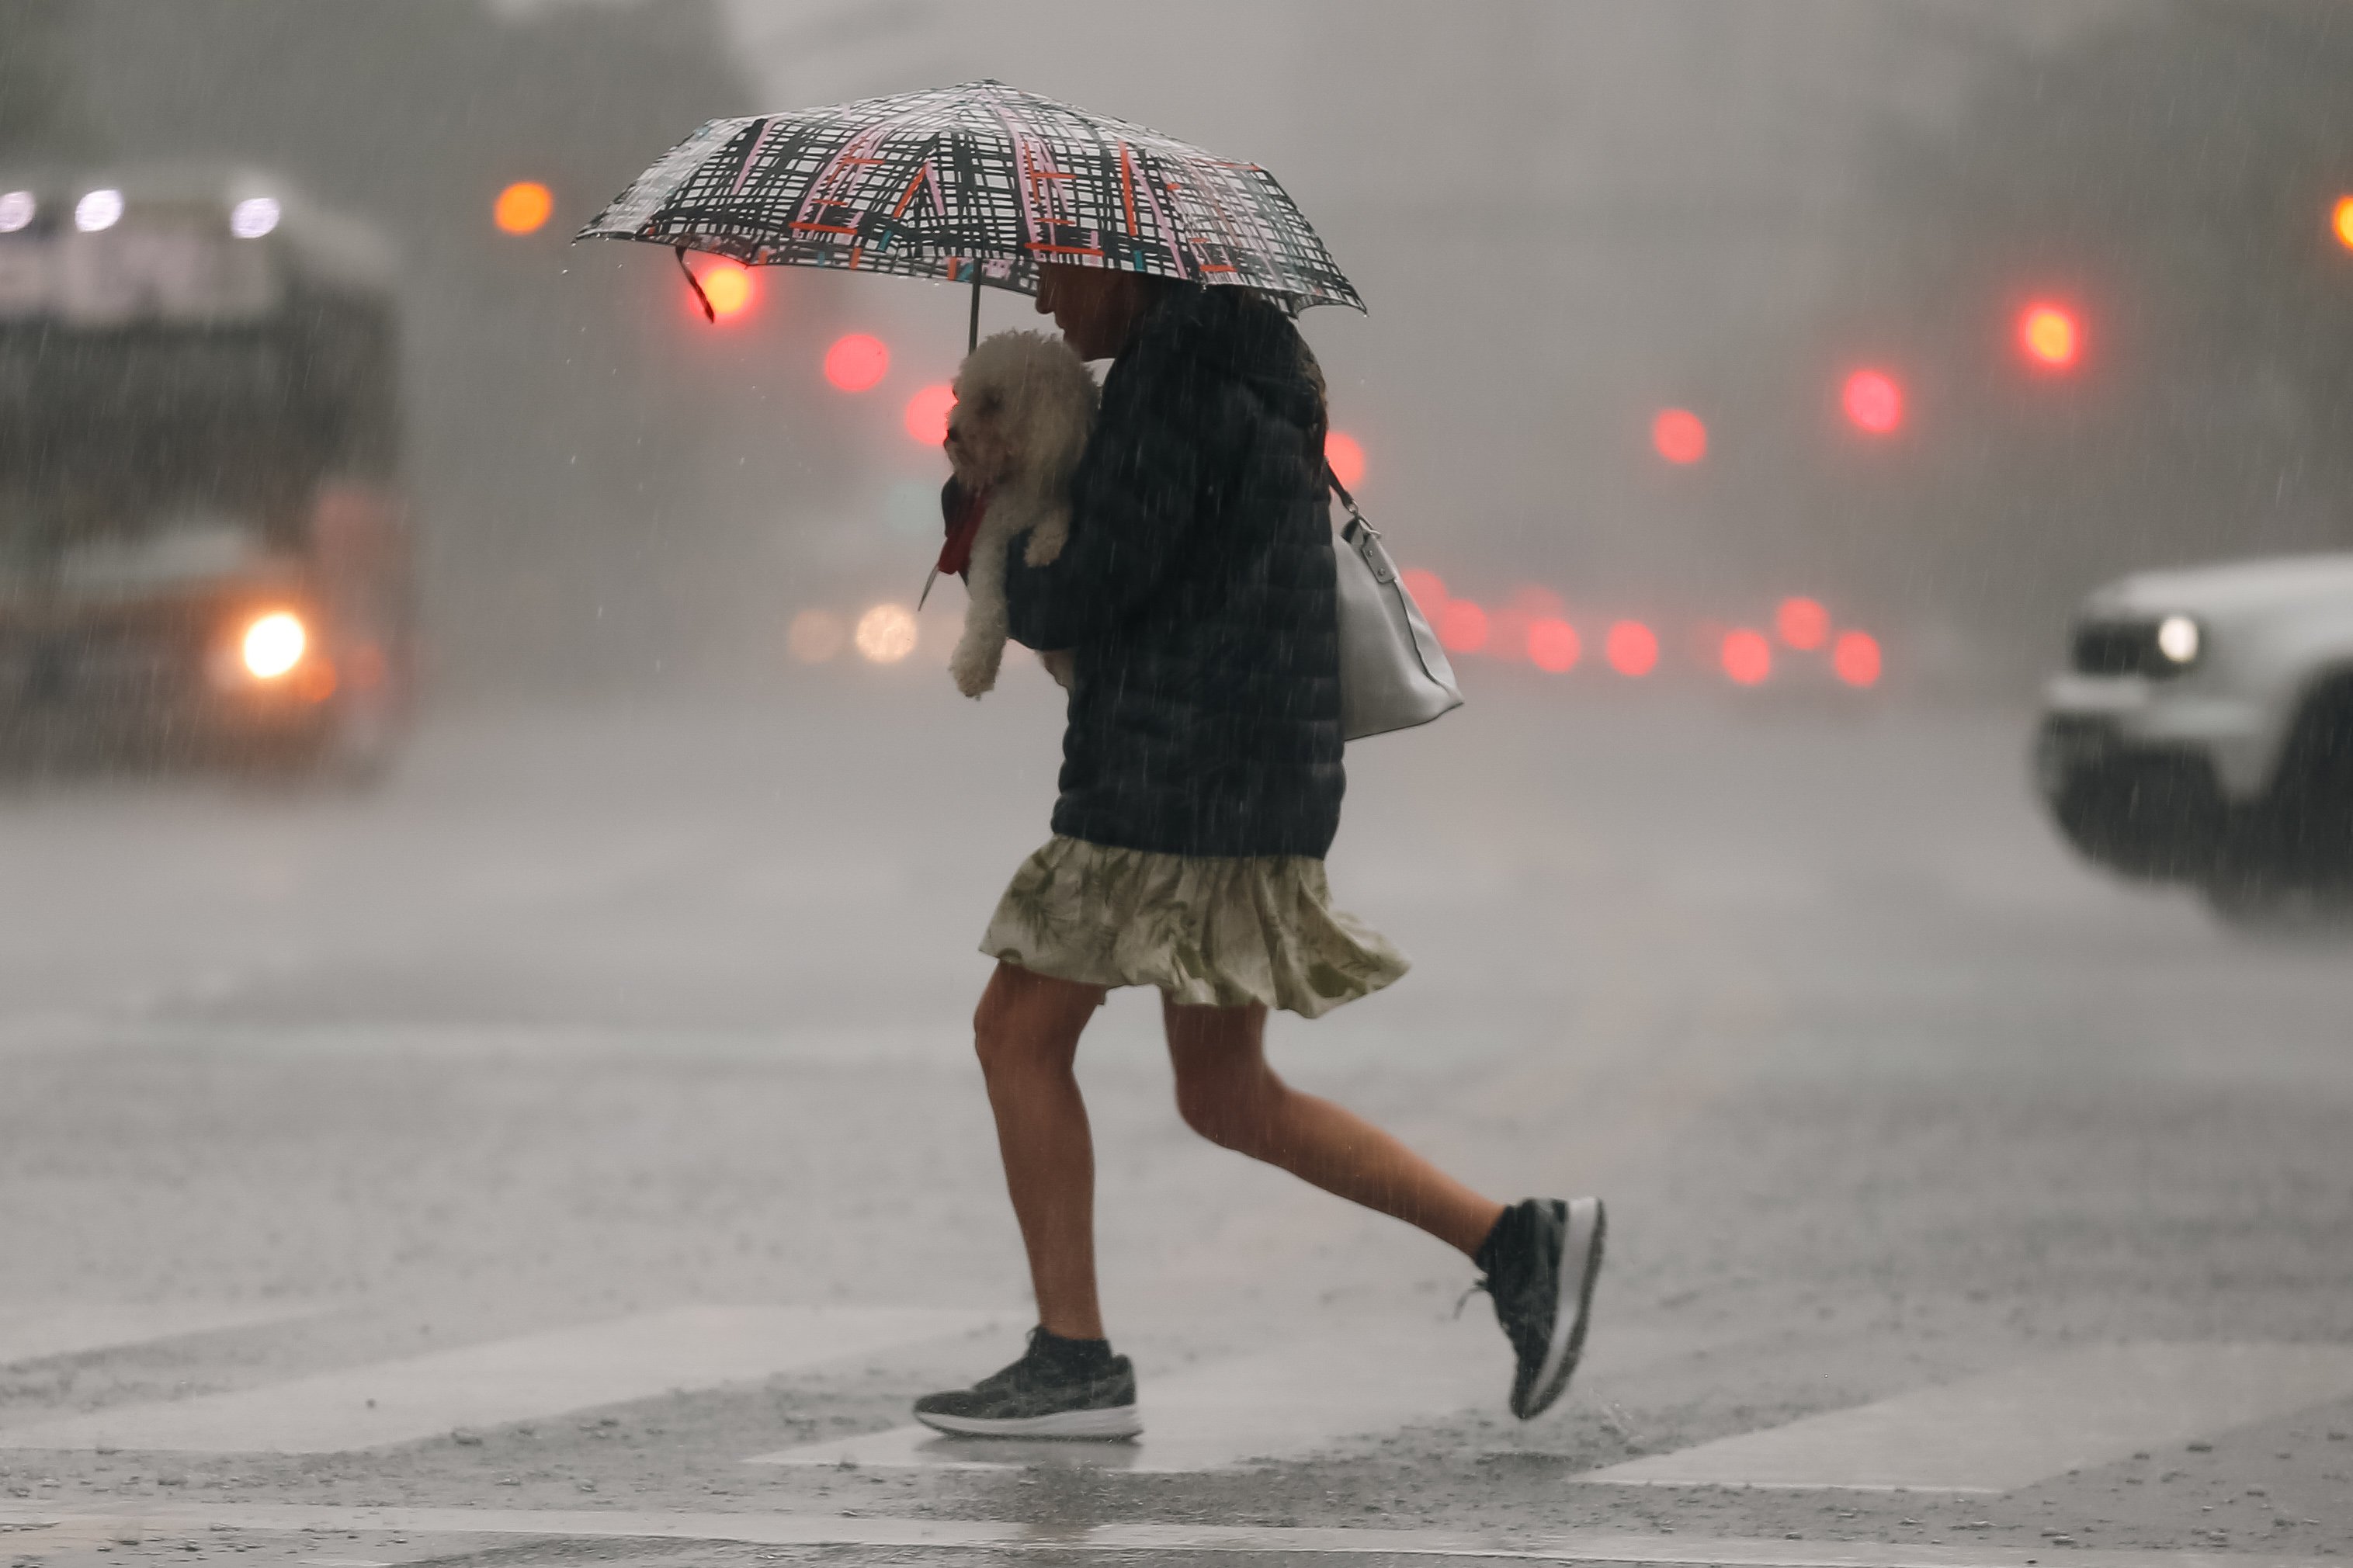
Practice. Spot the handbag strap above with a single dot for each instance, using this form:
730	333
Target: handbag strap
1331	481
1375	558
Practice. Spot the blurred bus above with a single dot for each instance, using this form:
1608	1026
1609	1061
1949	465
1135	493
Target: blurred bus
205	545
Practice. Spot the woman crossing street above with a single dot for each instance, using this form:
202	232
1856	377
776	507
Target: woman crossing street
1200	789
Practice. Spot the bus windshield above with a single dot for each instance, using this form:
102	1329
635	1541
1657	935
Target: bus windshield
163	380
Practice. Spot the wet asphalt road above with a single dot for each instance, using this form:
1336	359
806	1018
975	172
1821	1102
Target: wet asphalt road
595	1011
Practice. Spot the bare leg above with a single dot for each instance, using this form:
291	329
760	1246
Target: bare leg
1027	1033
1229	1094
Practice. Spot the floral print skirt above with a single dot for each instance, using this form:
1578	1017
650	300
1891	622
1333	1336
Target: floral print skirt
1208	930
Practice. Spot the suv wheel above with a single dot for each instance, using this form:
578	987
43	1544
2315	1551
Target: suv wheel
2311	807
2289	867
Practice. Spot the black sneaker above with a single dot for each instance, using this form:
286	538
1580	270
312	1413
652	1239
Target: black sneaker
1061	1388
1540	1262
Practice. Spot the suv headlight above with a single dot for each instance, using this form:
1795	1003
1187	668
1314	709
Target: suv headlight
2155	648
2178	639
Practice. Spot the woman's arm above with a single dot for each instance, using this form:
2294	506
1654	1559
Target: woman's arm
1133	502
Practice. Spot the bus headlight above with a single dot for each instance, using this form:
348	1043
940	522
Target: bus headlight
253	217
273	645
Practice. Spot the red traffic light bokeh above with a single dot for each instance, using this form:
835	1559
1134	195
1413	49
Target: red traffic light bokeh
1553	644
926	415
1462	627
1680	436
1747	657
1632	648
1347	456
856	362
1874	402
1802	624
1855	658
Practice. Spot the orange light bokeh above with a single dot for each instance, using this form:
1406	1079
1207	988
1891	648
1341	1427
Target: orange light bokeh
1462	626
316	680
1855	658
1802	623
856	362
729	286
927	417
1347	457
815	635
1680	436
2049	336
1747	657
1873	400
1553	644
523	207
887	634
2341	220
1632	648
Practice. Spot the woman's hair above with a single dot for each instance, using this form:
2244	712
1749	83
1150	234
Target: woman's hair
1312	370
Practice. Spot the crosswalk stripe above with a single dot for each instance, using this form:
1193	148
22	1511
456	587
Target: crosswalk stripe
809	1530
535	1375
1281	1404
2015	1427
29	1333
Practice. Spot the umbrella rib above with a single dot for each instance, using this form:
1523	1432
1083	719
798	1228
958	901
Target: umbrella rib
1127	188
1222	221
1165	223
752	154
851	150
1020	170
922	173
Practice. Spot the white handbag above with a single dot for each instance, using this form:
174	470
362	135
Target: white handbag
1393	674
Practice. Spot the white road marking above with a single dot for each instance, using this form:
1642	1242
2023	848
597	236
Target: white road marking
30	1333
2012	1428
1282	1404
534	1376
63	1528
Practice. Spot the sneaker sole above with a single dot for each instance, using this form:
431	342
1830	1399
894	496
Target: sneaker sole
1108	1424
1580	1265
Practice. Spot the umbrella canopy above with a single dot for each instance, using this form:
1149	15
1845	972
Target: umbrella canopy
978	182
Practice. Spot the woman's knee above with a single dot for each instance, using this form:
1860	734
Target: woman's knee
1024	1020
993	1037
990	1022
1230	1102
1002	1036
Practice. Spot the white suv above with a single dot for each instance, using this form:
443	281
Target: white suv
2203	732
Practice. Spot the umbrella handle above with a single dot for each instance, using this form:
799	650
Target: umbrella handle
972	333
696	284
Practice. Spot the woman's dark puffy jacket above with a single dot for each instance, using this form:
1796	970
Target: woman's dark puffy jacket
1196	591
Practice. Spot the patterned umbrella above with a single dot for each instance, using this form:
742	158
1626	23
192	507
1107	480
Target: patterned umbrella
980	183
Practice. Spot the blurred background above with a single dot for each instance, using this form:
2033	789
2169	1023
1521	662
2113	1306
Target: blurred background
1932	314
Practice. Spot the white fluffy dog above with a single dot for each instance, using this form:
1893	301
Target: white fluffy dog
1024	403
